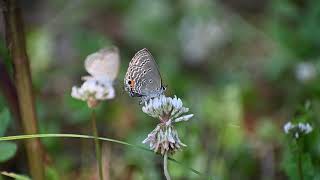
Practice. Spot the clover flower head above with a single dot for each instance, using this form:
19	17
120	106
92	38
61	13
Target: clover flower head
297	130
93	91
164	138
287	127
103	67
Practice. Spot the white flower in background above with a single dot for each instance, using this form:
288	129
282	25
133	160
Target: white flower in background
287	127
164	138
103	67
199	37
93	91
305	71
297	130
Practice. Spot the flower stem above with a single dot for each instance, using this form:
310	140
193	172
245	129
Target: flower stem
165	166
299	164
97	144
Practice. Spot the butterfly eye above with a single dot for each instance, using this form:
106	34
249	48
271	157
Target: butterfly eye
129	82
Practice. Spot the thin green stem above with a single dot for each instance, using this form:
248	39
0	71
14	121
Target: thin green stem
32	136
299	164
97	144
165	166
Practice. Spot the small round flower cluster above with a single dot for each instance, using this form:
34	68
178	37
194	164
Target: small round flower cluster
297	130
164	138
103	68
93	91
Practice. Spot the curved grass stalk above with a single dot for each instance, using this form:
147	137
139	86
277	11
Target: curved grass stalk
31	136
15	176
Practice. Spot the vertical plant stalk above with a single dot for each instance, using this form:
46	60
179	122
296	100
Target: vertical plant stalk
97	144
165	166
22	76
299	164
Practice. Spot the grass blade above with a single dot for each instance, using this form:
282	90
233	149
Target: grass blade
21	137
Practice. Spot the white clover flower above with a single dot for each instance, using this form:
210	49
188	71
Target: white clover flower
93	91
164	138
306	128
297	130
103	68
305	71
287	127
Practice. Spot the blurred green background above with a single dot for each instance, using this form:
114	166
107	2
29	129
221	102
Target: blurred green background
241	66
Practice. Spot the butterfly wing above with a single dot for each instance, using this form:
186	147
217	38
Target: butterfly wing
145	74
103	64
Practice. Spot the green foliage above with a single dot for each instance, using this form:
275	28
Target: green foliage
7	150
4	54
291	21
298	157
88	42
52	174
291	168
141	28
5	121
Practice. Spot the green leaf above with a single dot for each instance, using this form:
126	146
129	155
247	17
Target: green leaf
52	174
7	150
15	176
4	121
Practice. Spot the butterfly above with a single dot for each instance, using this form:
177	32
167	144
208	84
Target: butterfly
103	65
143	78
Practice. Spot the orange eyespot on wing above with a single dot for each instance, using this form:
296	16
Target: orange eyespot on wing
131	83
